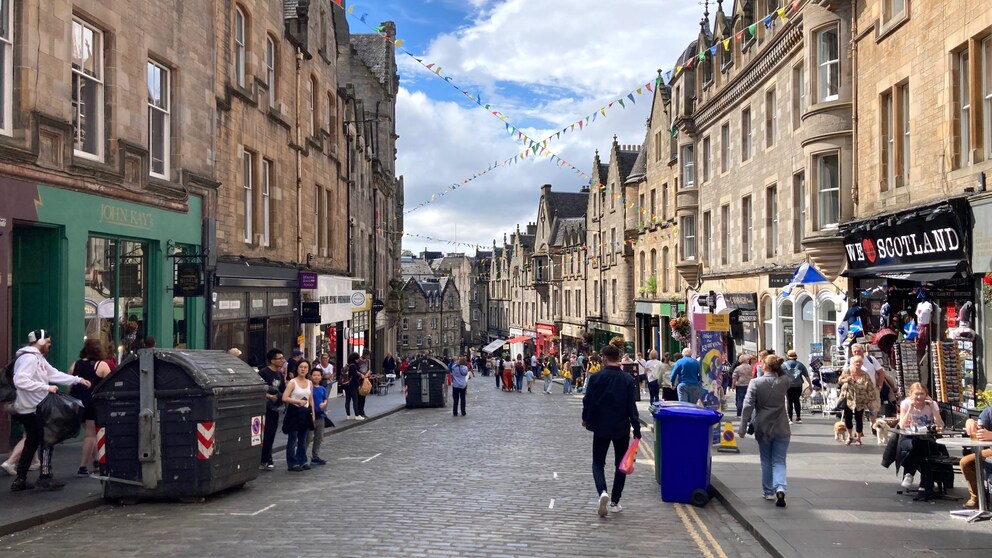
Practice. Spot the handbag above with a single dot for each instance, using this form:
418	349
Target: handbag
365	388
627	463
328	423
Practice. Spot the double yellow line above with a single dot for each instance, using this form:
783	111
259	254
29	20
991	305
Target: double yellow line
694	525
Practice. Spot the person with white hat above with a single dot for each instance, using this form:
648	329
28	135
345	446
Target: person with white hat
33	376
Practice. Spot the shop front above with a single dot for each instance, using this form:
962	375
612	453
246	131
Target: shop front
981	264
911	271
652	326
324	331
546	339
603	333
572	338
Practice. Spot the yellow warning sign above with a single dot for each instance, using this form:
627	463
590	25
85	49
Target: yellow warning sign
728	440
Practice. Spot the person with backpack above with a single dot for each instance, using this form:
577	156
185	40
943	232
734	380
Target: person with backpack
499	371
518	370
796	372
32	376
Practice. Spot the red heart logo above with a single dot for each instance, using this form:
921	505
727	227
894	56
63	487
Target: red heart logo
869	248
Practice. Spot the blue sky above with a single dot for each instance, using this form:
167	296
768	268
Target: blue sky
544	64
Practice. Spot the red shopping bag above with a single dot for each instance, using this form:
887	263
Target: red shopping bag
627	463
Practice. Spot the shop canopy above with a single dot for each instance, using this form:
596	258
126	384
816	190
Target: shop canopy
917	273
518	339
494	346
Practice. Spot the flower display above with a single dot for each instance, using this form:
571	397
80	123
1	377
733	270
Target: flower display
987	290
681	329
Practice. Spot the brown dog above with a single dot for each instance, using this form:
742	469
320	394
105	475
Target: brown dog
840	431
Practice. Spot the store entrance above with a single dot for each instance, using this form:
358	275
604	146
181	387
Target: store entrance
36	296
256	341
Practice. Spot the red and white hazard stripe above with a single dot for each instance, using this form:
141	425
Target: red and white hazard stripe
204	440
101	445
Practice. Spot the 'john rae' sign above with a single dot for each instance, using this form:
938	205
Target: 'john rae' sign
916	240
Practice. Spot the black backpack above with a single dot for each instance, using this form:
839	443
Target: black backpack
8	391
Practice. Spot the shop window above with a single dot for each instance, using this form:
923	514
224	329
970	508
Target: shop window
768	315
115	293
828	190
786	326
281	333
6	66
87	90
828	325
828	64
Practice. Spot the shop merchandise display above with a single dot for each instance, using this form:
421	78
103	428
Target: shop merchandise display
947	367
907	365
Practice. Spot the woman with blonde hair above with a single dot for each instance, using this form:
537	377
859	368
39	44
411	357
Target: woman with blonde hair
860	395
916	412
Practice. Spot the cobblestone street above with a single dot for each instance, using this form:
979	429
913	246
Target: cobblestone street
510	479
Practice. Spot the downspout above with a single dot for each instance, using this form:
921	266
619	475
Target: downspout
854	103
299	162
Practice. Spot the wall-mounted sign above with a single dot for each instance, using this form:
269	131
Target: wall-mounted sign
189	282
310	313
308	280
778	280
717	322
936	236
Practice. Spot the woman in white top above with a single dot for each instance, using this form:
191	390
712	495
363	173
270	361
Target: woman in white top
917	412
664	372
299	417
651	367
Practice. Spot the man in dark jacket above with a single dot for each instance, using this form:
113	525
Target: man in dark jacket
609	412
276	386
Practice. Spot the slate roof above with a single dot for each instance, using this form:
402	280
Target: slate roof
527	240
625	162
565	205
604	171
640	168
416	267
562	226
371	50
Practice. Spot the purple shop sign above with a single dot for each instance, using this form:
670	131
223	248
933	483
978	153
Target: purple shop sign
308	280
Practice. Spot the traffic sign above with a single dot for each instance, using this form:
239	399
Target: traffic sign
378	305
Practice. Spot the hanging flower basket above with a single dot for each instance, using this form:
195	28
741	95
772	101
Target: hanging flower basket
987	290
681	330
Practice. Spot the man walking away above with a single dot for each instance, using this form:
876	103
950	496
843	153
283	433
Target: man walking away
32	376
273	402
519	372
740	379
459	383
686	376
499	371
609	412
796	372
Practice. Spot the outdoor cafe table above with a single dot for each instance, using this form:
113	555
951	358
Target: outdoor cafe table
925	492
982	513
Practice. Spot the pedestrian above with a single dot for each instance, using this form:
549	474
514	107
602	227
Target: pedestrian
508	366
518	370
980	429
566	382
459	385
294	362
272	376
651	369
797	373
665	378
33	376
299	420
389	366
350	391
529	377
534	363
356	376
326	371
642	372
686	375
320	419
859	394
609	412
499	370
547	374
917	412
764	407
741	378
90	367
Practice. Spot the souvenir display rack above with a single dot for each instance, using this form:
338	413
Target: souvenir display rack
907	364
948	371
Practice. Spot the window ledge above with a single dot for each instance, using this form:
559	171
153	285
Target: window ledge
276	116
242	93
892	25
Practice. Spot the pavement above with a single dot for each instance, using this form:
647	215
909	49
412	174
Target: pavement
27	509
841	501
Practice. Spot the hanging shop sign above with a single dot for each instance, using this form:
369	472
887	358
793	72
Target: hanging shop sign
545	329
308	280
932	236
189	281
741	301
309	312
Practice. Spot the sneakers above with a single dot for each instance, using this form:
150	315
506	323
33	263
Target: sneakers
769	497
295	469
780	499
49	484
349	417
604	501
11	468
83	472
360	417
799	421
305	466
267	466
907	481
790	421
20	484
615	508
318	461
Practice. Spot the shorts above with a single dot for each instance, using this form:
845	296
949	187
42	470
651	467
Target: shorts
89	410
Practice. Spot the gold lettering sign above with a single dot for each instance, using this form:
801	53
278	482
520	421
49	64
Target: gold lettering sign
717	322
124	217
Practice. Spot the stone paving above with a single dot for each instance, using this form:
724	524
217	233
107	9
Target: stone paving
510	479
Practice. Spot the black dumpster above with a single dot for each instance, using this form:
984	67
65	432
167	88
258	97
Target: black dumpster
178	424
425	384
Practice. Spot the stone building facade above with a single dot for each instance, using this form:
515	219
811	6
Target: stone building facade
431	322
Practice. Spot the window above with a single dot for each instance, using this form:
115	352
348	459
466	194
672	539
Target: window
641	269
312	100
654	266
420	340
266	202
653	210
986	97
665	287
411	303
420	323
688	167
725	237
894	143
705	163
240	53
270	69
613	197
798	95
799	202
664	202
247	177
771	216
725	153
6	66
828	65
888	142
613	240
771	118
406	324
406	340
892	9
903	91
613	288
658	143
578	303
726	56
828	190
595	296
746	134
688	234
159	109
87	90
706	245
747	230
964	111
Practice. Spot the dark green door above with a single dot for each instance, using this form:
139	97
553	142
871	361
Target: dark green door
37	286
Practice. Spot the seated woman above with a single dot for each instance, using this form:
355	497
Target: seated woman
917	412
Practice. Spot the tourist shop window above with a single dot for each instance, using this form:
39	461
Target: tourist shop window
725	152
747	230
6	66
270	69
247	183
828	64
87	90
746	134
771	217
705	163
725	236
240	47
115	293
771	118
828	190
688	234
798	95
159	112
799	203
688	167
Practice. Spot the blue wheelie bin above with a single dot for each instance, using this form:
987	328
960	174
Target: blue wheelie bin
683	453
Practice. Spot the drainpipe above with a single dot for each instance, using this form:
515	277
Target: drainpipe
854	103
299	162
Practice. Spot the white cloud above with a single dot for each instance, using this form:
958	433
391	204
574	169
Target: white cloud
538	62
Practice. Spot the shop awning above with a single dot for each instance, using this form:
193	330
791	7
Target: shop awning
494	346
519	339
921	273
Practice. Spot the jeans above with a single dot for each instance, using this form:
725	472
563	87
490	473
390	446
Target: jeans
520	381
600	445
34	439
296	448
547	384
567	386
457	394
653	390
269	434
689	393
773	454
740	392
350	399
859	420
792	401
316	437
499	375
